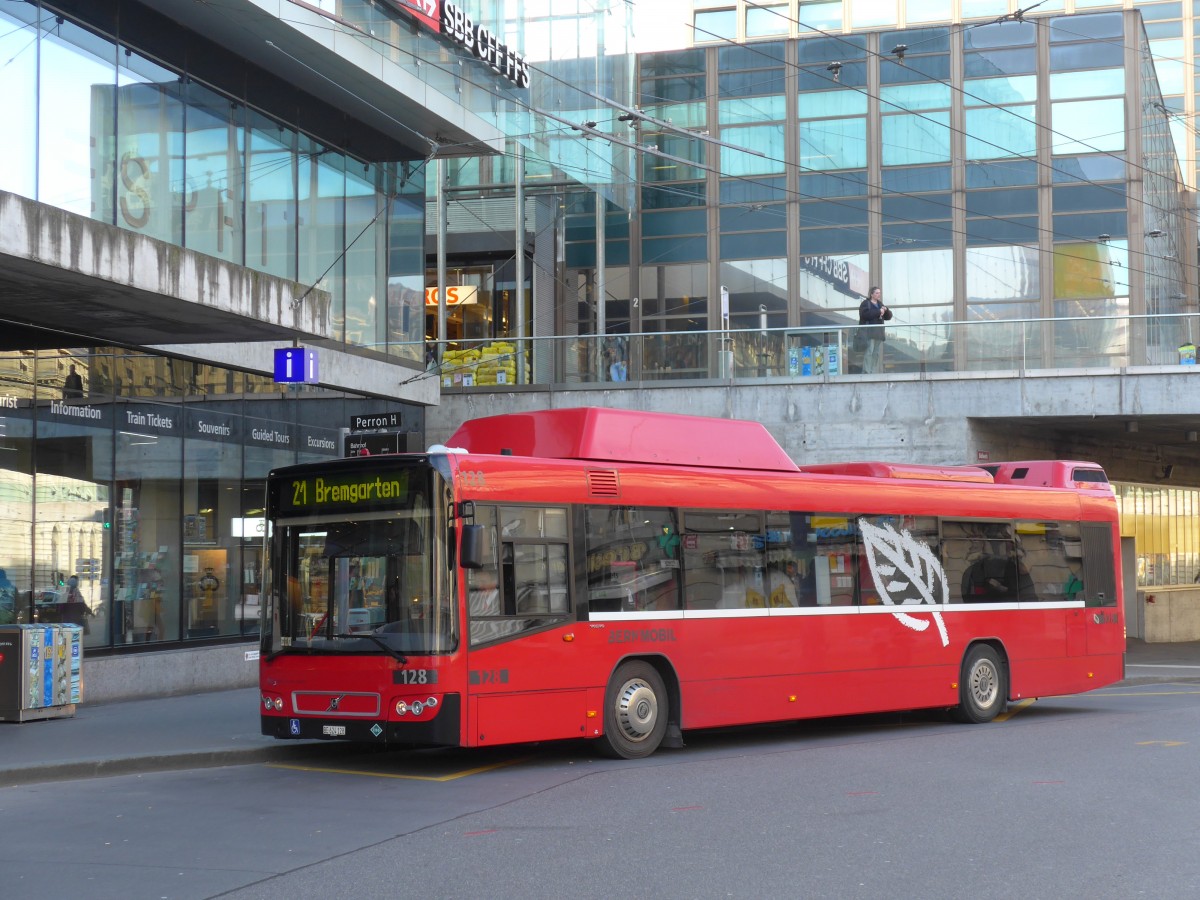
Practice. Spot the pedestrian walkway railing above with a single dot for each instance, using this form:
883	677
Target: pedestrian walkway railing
816	353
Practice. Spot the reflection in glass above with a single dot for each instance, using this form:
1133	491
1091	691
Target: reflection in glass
915	139
213	174
270	198
1003	284
75	103
149	154
833	144
997	132
321	229
18	108
1087	126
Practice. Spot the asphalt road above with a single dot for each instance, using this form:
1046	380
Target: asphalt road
1092	796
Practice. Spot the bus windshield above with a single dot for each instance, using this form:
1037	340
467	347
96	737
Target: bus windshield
362	583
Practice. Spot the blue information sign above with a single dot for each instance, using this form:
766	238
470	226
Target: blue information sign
295	365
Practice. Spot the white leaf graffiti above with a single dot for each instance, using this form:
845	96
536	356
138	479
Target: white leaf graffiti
906	573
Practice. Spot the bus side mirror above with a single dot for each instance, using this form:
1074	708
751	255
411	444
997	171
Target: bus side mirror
471	549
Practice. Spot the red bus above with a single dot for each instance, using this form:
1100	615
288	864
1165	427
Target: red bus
625	577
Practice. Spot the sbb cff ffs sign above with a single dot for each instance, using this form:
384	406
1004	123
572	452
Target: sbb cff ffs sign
296	365
449	19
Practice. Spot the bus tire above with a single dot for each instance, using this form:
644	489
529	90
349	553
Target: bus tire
635	712
982	687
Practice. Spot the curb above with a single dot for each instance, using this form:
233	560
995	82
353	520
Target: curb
165	762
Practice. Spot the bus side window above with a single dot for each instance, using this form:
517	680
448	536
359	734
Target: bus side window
723	559
526	587
983	563
915	534
632	559
1050	552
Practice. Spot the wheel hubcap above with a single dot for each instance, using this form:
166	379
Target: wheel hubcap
637	710
984	685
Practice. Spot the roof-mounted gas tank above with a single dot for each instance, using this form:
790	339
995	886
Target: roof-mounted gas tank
1068	473
619	435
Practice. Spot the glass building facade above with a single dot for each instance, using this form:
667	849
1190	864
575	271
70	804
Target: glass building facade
1169	45
104	130
133	497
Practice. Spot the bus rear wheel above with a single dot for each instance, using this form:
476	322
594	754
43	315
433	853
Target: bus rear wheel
982	687
635	712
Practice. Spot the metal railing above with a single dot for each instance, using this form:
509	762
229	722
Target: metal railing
818	353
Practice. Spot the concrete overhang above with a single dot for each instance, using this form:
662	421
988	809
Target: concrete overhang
305	48
67	280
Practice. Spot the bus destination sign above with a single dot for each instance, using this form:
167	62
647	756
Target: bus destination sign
358	490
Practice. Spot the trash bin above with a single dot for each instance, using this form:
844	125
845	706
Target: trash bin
41	671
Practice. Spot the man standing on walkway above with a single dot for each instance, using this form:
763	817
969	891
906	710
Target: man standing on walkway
871	316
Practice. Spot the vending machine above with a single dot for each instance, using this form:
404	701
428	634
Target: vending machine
41	671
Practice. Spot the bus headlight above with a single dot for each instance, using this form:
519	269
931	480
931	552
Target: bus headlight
416	707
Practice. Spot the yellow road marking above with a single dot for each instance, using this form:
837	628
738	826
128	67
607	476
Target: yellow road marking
451	777
1014	709
1164	743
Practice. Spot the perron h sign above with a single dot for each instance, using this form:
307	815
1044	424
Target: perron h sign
295	365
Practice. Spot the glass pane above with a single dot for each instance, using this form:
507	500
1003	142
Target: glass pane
820	16
751	111
212	562
766	20
1093	83
914	139
149	149
365	260
928	10
833	144
632	559
271	198
981	64
994	91
321	228
75	94
1083	126
821	104
18	110
406	267
213	174
831	288
925	95
975	9
720	24
1010	130
866	13
766	140
1002	273
723	560
146	580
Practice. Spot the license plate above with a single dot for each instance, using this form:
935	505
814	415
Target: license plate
333	730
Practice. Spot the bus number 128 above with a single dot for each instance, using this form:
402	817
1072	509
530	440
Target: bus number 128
414	676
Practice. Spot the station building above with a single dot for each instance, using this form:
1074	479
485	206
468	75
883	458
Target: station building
187	189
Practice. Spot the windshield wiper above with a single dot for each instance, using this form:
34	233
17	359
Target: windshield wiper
378	641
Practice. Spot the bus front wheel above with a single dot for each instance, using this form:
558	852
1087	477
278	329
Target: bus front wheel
635	712
982	687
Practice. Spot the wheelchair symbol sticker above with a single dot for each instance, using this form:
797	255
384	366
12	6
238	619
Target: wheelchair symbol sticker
295	726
